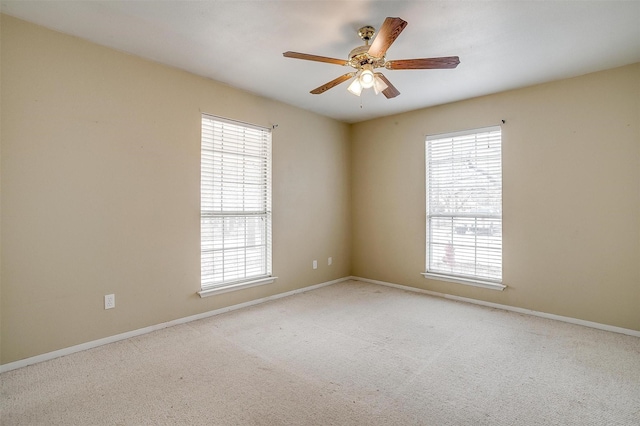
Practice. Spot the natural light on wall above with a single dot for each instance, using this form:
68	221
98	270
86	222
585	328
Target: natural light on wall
464	207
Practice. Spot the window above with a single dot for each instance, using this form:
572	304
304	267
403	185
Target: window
235	205
464	207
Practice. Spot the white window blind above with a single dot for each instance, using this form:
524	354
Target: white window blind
235	222
464	205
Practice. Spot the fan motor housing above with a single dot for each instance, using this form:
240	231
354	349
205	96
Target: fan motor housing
360	57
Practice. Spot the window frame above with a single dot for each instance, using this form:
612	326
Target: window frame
214	208
461	278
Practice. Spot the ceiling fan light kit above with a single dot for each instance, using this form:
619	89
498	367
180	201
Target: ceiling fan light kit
367	77
355	87
365	59
379	85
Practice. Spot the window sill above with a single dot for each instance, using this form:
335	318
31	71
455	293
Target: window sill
475	283
238	286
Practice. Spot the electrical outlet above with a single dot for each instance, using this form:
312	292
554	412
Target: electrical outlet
315	264
109	301
329	261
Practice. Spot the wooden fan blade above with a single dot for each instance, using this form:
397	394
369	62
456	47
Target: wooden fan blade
390	91
390	30
332	83
446	62
316	58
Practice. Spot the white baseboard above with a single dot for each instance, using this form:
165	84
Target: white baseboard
95	343
570	320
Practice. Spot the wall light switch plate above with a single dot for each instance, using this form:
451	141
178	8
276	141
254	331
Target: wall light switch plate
330	261
315	264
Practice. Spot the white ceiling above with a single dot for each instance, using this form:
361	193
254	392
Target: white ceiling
501	44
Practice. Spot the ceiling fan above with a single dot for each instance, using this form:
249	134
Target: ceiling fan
365	59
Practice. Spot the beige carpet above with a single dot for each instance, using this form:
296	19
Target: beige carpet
348	354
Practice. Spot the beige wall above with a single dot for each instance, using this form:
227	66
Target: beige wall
100	191
571	196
